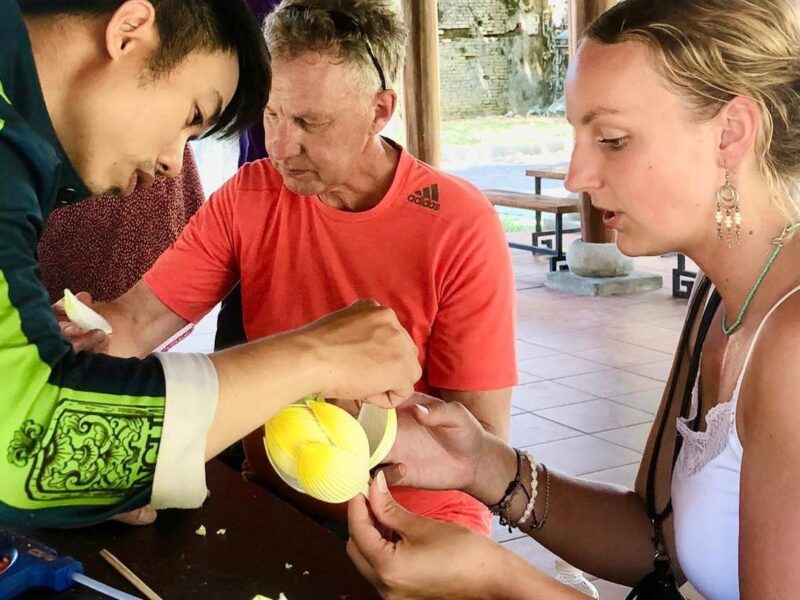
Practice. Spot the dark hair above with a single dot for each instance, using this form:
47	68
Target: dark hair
188	25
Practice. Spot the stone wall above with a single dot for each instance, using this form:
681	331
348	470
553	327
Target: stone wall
498	56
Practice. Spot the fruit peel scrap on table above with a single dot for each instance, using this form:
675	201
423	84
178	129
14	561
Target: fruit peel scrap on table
84	316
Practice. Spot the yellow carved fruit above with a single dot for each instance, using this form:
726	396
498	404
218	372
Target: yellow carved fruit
287	431
332	474
341	429
321	450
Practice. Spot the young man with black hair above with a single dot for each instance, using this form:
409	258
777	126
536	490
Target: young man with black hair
98	97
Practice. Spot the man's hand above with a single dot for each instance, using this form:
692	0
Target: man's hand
81	340
415	560
140	516
360	352
366	354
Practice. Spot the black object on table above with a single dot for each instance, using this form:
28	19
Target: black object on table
268	547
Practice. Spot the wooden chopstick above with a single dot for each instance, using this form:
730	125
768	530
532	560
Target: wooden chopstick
129	575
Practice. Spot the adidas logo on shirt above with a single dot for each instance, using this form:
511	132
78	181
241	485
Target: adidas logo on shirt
427	197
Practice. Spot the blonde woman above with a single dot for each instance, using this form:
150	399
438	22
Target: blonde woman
687	121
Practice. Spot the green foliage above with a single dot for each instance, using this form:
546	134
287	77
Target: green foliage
493	130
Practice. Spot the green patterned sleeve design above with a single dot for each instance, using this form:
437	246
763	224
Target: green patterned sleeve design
80	433
87	451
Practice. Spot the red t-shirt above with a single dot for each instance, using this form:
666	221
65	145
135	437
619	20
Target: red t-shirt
433	250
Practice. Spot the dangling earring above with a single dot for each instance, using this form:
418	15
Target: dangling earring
728	211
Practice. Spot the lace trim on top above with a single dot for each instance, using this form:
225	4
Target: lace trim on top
701	447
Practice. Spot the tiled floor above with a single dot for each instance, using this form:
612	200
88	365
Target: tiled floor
591	375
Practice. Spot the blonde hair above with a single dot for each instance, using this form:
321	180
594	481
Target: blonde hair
290	32
714	50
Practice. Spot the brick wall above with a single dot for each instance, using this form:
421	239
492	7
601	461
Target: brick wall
492	56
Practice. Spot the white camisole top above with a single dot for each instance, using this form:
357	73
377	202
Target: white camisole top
705	494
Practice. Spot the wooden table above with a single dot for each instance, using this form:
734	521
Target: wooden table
555	173
682	279
592	229
550	242
558	173
268	547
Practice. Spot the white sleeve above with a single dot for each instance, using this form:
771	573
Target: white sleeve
192	394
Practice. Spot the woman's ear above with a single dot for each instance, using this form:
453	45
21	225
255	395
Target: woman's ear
741	118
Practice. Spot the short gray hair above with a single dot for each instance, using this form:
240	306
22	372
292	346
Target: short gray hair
299	26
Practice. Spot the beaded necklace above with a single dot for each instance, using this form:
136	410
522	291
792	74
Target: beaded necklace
778	245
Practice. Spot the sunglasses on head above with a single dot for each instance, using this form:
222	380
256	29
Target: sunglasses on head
347	25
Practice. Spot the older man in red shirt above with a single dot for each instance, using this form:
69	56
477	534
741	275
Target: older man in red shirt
339	213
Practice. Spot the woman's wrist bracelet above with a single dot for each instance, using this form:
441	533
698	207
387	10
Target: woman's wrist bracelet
502	508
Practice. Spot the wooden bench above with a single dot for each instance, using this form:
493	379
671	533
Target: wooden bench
540	204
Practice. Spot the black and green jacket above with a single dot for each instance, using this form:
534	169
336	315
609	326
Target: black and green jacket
79	433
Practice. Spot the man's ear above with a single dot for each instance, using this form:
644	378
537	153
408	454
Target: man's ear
132	28
385	105
740	120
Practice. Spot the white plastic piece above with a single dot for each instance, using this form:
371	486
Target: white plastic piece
380	426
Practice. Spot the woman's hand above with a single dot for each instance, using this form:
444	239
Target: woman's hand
407	557
420	557
441	446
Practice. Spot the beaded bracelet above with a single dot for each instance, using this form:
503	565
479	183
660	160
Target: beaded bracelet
536	523
534	491
512	490
501	508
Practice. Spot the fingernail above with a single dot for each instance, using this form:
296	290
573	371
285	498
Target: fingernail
380	478
424	409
